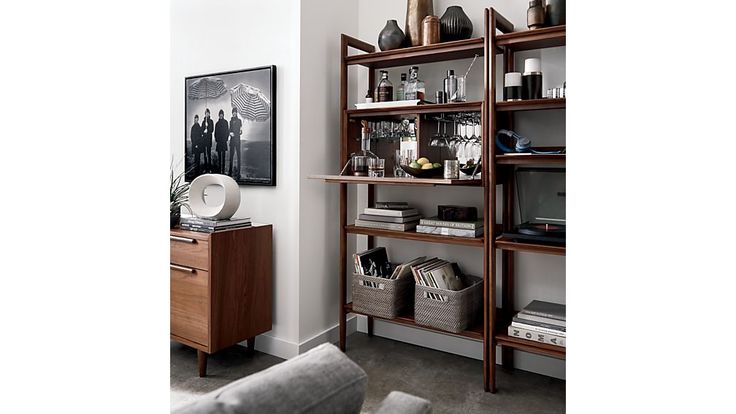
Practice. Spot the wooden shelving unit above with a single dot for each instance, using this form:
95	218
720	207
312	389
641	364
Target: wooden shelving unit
504	44
501	115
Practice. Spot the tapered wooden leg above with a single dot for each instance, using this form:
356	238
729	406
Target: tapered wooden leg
370	326
251	346
202	363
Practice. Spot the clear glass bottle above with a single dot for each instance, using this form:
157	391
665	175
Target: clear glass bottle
401	90
415	86
385	88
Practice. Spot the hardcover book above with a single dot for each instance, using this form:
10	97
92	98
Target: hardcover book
384	219
391	212
523	316
546	309
536	336
386	226
214	223
446	231
467	225
210	229
537	328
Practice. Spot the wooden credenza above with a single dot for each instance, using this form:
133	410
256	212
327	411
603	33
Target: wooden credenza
221	289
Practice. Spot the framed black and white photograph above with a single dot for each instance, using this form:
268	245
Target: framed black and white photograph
230	125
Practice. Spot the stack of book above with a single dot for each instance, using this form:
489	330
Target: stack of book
433	225
541	322
203	225
389	215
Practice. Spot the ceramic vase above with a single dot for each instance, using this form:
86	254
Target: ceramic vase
391	37
555	12
416	11
455	25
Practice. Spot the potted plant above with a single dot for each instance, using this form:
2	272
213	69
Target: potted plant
179	196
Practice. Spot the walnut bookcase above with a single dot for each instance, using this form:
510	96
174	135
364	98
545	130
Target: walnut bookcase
506	43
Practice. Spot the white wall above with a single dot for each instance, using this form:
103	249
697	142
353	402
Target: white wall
322	21
537	276
222	35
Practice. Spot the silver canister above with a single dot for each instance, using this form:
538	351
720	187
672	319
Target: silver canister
452	169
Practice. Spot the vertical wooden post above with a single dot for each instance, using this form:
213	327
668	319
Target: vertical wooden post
342	272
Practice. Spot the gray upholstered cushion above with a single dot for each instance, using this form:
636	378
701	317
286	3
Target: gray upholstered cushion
322	380
402	403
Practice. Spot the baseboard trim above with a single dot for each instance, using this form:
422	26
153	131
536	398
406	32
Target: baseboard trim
286	349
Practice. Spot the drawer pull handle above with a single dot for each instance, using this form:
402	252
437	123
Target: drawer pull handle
183	239
182	268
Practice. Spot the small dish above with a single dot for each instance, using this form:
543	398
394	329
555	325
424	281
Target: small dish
420	173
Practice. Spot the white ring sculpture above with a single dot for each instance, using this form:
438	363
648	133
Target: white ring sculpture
230	202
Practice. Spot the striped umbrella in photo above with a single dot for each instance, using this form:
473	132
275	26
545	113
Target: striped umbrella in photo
250	102
206	88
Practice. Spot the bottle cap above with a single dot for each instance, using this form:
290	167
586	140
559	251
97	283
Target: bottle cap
403	76
532	65
450	72
512	79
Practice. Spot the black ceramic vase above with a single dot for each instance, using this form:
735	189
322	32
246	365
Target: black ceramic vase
391	37
455	25
555	13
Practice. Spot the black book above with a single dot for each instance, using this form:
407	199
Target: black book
546	309
211	229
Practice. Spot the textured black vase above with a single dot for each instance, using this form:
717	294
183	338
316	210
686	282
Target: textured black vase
391	37
455	25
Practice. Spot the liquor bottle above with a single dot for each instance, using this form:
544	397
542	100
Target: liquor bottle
401	91
415	86
385	88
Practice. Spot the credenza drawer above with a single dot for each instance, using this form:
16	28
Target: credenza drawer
190	302
189	252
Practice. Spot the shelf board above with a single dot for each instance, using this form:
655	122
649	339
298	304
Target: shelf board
413	235
475	106
505	339
460	49
532	159
531	105
409	181
532	39
507	243
474	332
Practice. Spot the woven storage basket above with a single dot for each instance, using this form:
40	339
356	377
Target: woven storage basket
390	299
457	313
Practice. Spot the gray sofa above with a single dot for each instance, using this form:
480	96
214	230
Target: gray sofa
322	380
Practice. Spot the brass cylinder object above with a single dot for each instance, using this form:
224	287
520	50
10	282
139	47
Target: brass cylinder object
430	30
416	11
535	14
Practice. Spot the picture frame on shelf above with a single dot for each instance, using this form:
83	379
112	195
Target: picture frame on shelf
230	125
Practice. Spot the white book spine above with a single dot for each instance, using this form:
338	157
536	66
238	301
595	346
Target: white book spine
536	336
539	329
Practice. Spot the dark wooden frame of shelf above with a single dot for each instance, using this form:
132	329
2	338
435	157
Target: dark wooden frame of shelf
506	43
511	43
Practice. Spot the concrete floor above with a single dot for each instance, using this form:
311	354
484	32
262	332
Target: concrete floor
453	383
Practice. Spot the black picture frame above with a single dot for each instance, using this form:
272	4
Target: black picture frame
249	158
